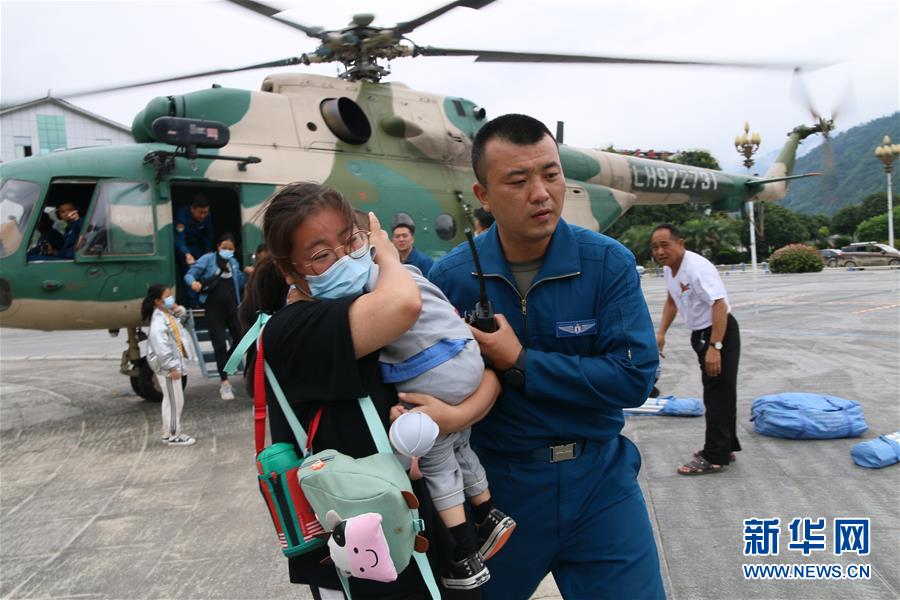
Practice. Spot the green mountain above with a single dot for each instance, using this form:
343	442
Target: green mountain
856	172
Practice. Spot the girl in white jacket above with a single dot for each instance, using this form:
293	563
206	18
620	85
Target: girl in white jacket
168	348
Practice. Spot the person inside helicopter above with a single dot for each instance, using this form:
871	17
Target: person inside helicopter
49	241
69	214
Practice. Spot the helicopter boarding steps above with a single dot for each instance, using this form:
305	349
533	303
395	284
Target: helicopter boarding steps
199	332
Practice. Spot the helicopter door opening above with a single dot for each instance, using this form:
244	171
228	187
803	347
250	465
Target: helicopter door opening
225	210
48	239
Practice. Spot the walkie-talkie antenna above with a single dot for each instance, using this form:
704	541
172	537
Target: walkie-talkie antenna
482	296
483	318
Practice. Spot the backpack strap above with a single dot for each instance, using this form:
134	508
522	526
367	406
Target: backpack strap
296	427
263	371
376	427
248	340
427	574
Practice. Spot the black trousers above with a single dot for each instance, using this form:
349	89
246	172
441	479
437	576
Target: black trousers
222	313
720	393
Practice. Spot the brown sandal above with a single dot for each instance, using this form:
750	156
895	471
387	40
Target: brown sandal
699	466
731	457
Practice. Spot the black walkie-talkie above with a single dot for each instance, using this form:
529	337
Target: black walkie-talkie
483	316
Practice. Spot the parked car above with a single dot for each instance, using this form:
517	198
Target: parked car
868	254
830	256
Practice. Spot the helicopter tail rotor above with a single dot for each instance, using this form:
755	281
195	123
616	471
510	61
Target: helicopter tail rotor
824	125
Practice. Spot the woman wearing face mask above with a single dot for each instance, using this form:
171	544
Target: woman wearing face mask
322	343
218	278
167	350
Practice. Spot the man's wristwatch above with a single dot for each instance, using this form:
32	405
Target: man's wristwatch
716	345
515	375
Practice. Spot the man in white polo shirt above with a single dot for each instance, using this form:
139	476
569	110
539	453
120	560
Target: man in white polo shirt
697	292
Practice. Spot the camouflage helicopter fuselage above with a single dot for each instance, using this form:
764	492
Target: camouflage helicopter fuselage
408	157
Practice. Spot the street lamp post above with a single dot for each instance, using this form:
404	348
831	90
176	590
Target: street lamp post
747	144
888	153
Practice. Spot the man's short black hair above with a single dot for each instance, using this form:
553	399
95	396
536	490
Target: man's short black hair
674	233
517	129
484	218
200	201
410	226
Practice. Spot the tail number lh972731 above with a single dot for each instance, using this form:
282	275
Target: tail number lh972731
669	178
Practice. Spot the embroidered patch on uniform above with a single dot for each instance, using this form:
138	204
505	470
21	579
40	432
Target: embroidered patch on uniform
179	228
576	328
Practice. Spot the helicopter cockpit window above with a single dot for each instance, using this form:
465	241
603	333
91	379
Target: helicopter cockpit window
121	221
17	199
445	227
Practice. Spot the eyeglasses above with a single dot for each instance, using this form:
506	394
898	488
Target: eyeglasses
355	246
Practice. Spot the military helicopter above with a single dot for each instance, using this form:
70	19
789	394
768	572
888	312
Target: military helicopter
401	153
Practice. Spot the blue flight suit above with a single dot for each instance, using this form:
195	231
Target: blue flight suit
420	260
191	237
591	351
70	239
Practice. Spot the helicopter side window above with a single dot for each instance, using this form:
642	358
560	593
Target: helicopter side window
17	200
402	217
121	221
445	227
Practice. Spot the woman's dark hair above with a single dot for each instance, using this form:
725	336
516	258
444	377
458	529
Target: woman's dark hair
281	215
226	237
154	293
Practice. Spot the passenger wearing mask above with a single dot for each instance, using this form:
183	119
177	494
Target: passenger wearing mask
218	279
167	350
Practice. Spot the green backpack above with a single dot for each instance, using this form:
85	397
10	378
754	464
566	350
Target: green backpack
365	506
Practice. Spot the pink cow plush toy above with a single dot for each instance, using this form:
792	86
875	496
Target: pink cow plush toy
358	547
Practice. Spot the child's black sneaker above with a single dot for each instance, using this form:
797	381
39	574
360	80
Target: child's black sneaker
493	532
466	574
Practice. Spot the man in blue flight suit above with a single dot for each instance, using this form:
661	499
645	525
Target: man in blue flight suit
68	213
193	238
404	239
575	345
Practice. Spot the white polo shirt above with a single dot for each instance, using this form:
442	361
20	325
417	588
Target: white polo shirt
694	289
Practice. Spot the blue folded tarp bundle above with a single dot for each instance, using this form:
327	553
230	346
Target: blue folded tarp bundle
668	406
803	416
883	451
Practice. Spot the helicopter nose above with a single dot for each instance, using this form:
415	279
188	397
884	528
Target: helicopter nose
5	294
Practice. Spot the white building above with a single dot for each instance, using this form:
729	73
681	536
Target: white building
47	124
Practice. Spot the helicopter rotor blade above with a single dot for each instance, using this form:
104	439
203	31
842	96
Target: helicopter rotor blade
542	57
285	62
272	13
407	26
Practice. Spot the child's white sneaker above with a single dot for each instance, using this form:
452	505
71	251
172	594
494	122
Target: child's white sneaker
225	391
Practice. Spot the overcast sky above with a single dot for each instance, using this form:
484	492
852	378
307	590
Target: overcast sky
69	46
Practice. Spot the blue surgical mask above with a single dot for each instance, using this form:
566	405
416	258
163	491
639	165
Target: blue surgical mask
346	277
169	302
226	254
